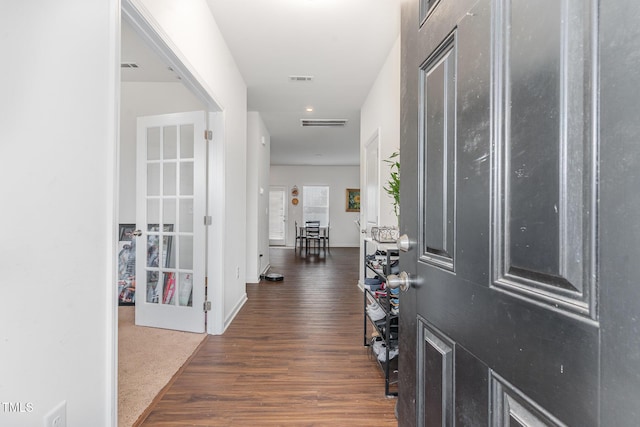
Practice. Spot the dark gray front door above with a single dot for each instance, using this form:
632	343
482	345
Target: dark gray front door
520	192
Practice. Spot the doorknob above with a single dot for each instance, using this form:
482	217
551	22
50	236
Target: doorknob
404	243
402	281
137	233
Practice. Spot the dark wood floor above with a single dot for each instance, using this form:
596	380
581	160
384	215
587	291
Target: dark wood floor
292	357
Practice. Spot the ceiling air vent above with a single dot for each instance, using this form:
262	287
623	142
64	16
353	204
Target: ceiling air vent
300	78
323	122
128	65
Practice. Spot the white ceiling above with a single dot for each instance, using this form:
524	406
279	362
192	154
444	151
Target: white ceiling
341	43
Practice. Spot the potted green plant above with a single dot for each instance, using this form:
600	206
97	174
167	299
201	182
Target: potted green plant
393	184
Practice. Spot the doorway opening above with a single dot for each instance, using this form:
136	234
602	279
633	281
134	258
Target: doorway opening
156	82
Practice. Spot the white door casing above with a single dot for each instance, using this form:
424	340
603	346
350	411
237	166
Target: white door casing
171	206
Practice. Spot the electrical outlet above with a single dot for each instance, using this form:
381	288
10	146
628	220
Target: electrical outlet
57	417
237	272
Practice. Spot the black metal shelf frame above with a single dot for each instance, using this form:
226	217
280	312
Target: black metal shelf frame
387	326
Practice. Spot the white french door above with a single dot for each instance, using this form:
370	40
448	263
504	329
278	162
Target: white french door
170	211
277	216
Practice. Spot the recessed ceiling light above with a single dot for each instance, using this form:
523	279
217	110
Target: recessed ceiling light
309	109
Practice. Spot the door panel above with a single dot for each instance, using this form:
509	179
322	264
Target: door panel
437	104
435	377
171	194
471	389
498	143
509	407
545	151
277	216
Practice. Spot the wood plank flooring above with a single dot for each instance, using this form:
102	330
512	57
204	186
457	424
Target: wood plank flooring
292	357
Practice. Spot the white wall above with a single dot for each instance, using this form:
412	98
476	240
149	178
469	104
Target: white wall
381	111
343	230
190	28
258	157
58	121
144	99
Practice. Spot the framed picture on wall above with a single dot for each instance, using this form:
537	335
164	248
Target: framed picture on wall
353	200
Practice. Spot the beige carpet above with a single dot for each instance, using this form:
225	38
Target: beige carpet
148	358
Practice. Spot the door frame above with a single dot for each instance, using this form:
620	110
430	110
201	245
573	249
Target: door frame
373	143
151	33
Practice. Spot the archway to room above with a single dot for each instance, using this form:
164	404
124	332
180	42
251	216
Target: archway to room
155	82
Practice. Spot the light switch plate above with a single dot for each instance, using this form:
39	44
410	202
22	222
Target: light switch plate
57	417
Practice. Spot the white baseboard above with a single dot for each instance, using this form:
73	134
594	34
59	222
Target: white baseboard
235	311
265	270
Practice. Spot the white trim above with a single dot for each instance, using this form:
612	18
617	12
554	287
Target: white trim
112	198
235	311
216	231
264	271
151	33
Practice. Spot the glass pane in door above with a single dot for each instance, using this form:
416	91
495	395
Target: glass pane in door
186	142
277	200
170	189
152	287
170	143
185	290
153	143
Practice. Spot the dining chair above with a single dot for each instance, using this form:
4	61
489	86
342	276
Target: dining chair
300	238
312	235
326	236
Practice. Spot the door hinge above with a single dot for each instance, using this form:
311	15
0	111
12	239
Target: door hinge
208	135
207	306
208	220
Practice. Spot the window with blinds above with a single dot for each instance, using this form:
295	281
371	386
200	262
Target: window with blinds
315	204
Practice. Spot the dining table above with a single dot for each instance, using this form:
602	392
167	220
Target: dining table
301	234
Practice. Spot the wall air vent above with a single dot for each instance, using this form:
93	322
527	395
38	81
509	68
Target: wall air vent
300	78
323	122
128	65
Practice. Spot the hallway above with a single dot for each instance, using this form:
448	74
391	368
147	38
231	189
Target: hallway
292	357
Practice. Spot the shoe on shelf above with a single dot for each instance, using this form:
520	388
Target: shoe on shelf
382	355
377	345
375	312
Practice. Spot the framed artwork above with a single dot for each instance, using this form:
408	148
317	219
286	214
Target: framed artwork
353	200
126	232
126	265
